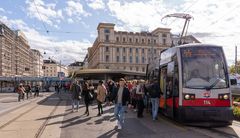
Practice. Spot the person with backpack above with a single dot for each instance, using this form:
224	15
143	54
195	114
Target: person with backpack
154	92
75	90
101	95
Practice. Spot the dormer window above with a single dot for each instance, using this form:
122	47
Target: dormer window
106	31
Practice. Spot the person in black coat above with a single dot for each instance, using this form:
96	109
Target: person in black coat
86	95
75	90
121	97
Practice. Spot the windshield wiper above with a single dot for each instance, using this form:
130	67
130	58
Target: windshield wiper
212	85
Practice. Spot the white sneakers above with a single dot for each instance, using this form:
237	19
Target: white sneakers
119	125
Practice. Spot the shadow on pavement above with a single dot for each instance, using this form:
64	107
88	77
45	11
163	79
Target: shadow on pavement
105	118
74	121
109	133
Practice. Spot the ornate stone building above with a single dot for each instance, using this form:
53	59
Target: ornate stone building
128	51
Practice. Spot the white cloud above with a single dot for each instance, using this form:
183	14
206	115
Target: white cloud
75	9
70	20
43	12
67	51
96	4
2	10
219	19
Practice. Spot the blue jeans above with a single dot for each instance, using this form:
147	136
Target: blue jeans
155	105
75	102
119	112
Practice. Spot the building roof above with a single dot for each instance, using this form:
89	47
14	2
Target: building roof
48	61
77	63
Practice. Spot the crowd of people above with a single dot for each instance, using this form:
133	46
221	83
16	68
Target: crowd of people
134	94
25	90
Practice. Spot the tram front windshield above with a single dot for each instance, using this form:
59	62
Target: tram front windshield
203	68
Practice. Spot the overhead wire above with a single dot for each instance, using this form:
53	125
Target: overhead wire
44	26
217	20
185	11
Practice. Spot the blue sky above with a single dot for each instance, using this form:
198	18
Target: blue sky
71	24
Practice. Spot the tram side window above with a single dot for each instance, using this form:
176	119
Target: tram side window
163	80
176	82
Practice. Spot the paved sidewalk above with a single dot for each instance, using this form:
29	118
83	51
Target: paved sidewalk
77	125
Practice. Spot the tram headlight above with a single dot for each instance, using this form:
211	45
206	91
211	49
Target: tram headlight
187	96
225	97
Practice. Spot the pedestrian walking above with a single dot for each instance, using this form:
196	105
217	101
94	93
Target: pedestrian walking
75	90
154	92
36	94
101	95
27	90
87	96
121	96
140	96
21	92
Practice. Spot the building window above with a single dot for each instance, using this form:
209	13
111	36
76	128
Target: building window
106	49
118	49
124	49
106	31
143	69
164	35
130	59
164	41
107	58
136	40
142	40
107	38
155	51
130	68
154	41
124	58
143	60
136	50
130	50
118	59
107	67
124	39
136	59
136	68
149	41
130	40
124	67
142	50
117	39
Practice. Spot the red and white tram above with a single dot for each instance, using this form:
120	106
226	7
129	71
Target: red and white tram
194	84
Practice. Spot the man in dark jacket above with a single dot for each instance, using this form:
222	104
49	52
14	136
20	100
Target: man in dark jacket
121	96
75	91
154	92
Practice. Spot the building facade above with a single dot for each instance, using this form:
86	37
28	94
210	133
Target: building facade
75	67
51	68
127	51
36	63
22	53
7	51
16	58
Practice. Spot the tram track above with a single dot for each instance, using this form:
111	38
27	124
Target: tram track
41	129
